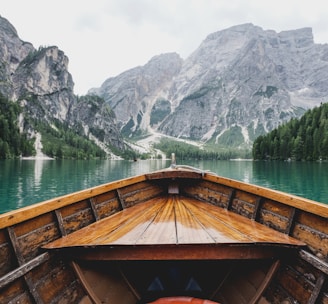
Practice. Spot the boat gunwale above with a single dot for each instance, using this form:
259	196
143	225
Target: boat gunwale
26	213
285	198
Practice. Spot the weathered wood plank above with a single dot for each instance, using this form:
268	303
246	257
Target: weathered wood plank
318	242
314	261
295	285
107	208
7	258
60	223
94	209
30	243
22	270
53	283
317	290
14	292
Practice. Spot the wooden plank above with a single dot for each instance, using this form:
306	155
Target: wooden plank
94	209
134	230
162	229
218	230
231	198
120	199
85	284
314	261
265	283
317	290
60	222
15	245
174	174
100	233
174	220
291	222
257	208
176	252
22	270
189	229
15	292
254	232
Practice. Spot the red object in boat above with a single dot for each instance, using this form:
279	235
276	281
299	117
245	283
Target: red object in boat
181	300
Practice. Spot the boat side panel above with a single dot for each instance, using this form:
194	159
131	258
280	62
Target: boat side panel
215	194
323	299
313	230
275	215
7	257
15	293
56	280
295	284
76	216
27	242
106	204
309	228
298	282
44	284
134	194
243	203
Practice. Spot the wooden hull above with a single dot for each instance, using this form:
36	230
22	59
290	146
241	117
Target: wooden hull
34	270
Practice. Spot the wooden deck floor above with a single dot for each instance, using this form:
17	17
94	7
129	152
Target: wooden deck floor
176	220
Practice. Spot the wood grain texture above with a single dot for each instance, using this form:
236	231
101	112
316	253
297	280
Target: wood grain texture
174	220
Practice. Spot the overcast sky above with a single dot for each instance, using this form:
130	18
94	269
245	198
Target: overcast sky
103	38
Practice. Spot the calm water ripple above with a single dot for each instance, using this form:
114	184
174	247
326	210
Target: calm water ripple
25	182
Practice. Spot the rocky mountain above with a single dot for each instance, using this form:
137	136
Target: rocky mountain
40	82
239	83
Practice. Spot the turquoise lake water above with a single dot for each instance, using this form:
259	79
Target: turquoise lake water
25	182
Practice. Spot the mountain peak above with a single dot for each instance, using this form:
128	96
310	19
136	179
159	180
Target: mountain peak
239	83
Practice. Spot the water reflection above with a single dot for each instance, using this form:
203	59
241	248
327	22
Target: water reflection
308	179
24	182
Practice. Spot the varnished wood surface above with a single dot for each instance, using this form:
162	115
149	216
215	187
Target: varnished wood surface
174	220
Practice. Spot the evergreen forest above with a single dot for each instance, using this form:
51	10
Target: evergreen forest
12	142
184	150
58	142
301	139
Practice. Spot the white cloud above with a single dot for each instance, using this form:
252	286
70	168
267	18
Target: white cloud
103	38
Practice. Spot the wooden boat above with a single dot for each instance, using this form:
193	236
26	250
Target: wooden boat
172	236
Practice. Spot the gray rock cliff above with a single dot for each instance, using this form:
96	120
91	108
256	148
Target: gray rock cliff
239	83
40	81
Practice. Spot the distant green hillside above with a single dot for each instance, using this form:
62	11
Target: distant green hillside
58	141
300	139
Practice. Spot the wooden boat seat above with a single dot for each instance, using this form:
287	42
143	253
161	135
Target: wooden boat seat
175	227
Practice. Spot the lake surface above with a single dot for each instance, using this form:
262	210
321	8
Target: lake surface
25	182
